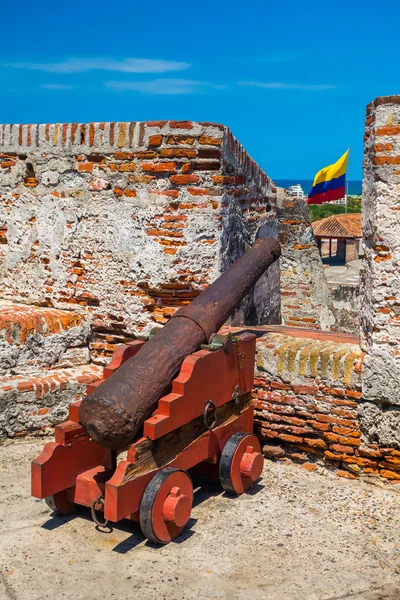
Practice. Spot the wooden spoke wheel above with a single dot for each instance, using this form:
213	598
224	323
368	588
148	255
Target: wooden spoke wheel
241	463
166	505
59	504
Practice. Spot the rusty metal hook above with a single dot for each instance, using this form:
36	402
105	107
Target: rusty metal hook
99	500
210	406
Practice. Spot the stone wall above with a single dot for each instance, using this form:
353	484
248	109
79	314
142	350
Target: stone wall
305	296
380	275
346	306
125	222
308	391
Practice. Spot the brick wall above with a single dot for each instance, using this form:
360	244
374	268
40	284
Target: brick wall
380	282
126	222
308	393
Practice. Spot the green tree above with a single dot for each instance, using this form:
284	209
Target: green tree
321	211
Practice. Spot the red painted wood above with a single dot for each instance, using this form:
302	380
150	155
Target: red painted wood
77	465
57	467
123	498
73	411
69	432
92	386
247	457
89	486
204	375
121	354
170	512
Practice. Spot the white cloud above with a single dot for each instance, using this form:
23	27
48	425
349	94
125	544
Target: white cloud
314	87
163	86
56	86
126	65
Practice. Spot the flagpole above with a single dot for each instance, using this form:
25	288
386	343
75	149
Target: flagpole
346	195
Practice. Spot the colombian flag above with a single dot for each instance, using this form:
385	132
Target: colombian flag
329	183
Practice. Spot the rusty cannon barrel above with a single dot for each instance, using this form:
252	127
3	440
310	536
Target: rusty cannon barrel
116	410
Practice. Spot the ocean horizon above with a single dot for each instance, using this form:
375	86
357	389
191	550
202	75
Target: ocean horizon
355	186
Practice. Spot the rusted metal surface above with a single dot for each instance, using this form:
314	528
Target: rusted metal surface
116	410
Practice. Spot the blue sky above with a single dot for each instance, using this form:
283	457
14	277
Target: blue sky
291	79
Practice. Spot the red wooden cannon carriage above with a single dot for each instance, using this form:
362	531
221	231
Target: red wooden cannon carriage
206	419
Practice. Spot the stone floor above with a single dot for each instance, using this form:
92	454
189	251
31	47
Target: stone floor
300	535
349	273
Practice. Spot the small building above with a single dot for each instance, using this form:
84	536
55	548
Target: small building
339	235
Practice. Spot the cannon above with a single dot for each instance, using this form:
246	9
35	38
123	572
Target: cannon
178	401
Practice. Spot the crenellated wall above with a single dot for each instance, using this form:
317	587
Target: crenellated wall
128	221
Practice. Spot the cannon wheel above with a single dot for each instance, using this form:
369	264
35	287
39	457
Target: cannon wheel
241	463
59	504
166	505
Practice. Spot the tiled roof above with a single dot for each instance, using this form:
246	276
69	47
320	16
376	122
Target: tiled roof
339	226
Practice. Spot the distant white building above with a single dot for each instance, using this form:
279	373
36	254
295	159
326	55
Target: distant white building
296	190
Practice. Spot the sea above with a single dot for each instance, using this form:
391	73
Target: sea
354	186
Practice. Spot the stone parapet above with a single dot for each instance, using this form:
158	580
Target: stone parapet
36	403
33	338
308	396
129	221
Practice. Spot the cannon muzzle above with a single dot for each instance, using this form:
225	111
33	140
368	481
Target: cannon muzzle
113	414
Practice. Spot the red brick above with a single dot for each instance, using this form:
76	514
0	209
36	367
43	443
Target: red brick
345	474
346	431
146	154
181	124
333	391
185	140
369	452
25	386
289	438
124	155
387	474
86	167
156	123
340	412
386	160
305	389
346	441
309	467
126	167
177	153
342	449
353	394
329	419
155	140
184	179
383	147
315	443
268	433
388	130
210	141
319	426
277	385
168	167
198	191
